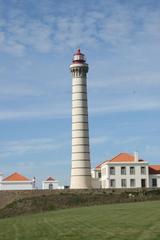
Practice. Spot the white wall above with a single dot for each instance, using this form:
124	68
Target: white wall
152	176
45	184
8	185
1	178
106	177
96	183
96	180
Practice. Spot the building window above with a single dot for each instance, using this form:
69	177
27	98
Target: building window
143	170
99	175
154	182
132	170
123	170
112	183
132	182
123	183
112	170
143	183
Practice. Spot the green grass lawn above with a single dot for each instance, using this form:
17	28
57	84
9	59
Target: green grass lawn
131	221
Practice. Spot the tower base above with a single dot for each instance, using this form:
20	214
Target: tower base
81	182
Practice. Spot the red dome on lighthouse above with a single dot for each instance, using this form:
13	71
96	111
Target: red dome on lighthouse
79	57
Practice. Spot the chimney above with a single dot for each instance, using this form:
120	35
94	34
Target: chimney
136	158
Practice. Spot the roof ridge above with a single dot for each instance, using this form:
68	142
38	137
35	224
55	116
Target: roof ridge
101	163
119	155
16	177
154	169
50	179
154	165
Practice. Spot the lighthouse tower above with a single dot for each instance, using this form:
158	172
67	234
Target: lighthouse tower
81	168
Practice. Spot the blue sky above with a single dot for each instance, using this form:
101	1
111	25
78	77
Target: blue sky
121	40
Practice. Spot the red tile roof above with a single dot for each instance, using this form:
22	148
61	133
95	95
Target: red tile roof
50	179
99	165
16	177
121	158
154	169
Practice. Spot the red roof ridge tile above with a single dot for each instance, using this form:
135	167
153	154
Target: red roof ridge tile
16	177
99	165
121	157
50	179
122	154
154	169
155	165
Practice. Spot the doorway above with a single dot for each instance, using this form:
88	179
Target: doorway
50	186
143	183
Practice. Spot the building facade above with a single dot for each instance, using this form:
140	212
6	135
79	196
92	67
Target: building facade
16	181
154	176
51	183
126	171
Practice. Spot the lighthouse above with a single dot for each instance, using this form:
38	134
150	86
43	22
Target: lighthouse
81	167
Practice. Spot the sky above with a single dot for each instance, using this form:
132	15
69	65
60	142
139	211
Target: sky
121	40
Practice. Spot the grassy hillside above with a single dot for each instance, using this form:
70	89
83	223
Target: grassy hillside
53	200
127	221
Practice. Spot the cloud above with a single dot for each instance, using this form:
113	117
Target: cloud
11	90
51	29
22	33
32	33
20	147
10	46
127	81
98	140
129	140
57	28
152	151
63	110
55	112
126	105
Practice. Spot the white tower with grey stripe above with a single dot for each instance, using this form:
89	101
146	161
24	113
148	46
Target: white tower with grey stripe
81	167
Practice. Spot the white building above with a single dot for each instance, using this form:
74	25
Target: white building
16	182
126	171
154	176
50	183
